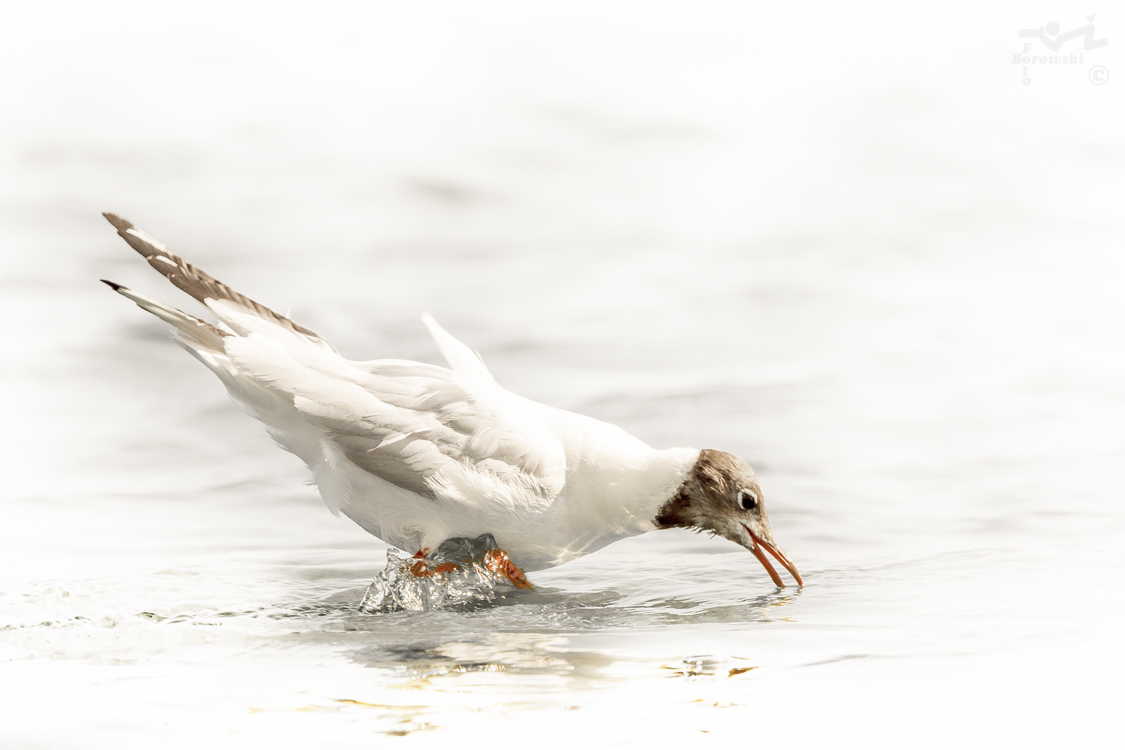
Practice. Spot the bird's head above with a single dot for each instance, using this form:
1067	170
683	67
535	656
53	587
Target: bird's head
722	495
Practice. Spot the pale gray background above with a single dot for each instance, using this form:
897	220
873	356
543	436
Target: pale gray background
847	243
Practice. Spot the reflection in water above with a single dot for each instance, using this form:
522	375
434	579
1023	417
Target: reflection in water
503	672
710	666
419	665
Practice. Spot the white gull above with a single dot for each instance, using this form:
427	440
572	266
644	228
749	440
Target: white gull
418	454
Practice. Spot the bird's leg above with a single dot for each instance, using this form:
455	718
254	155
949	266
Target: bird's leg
426	566
423	567
420	569
452	553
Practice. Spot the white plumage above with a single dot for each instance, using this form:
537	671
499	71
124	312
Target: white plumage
415	453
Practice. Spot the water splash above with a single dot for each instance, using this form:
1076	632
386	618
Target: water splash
460	572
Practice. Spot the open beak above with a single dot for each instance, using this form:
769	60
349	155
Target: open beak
759	545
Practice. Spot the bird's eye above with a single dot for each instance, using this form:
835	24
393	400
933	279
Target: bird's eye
747	499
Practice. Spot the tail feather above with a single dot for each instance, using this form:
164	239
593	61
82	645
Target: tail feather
195	281
197	331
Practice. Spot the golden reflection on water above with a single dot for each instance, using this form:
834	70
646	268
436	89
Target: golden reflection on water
704	666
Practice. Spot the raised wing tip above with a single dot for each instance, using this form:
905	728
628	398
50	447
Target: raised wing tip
116	287
119	224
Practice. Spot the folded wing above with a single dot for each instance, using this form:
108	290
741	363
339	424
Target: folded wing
448	435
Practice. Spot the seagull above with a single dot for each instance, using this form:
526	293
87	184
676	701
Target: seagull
424	457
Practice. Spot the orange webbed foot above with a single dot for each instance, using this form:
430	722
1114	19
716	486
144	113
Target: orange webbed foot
425	568
497	561
421	570
482	550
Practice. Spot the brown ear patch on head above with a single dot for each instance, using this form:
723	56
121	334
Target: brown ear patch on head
676	513
700	497
704	479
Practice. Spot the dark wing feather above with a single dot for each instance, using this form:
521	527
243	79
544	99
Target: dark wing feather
196	282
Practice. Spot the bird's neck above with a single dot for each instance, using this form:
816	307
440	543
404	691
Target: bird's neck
623	498
663	476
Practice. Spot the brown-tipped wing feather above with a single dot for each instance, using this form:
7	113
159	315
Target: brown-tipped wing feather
197	330
196	282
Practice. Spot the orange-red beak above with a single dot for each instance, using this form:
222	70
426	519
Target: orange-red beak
759	545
